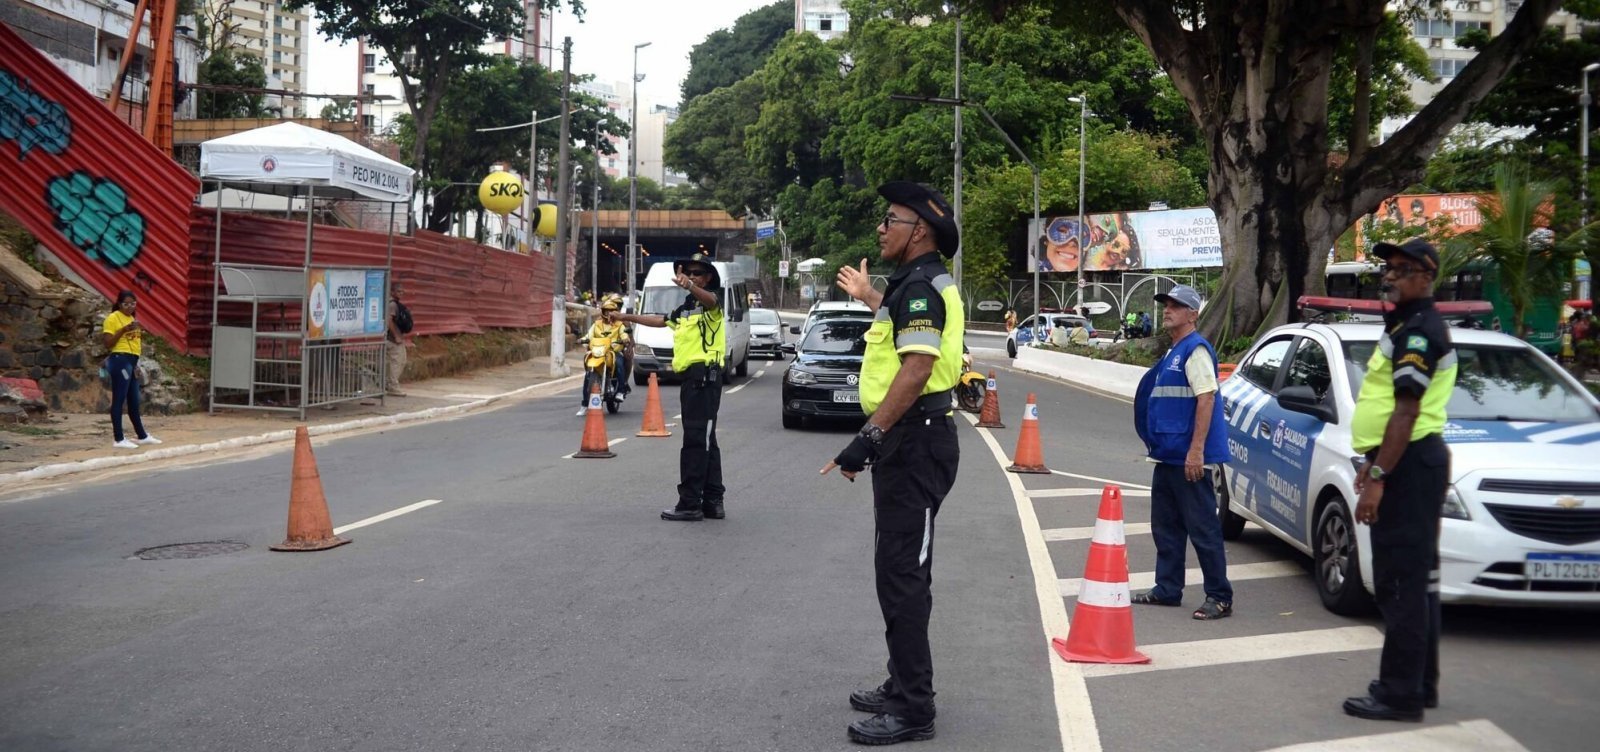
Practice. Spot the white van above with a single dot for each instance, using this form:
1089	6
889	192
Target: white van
652	346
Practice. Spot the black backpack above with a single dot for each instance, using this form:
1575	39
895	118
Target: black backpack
402	317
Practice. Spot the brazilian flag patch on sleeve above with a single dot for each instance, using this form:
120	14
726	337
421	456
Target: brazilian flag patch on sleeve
918	305
1416	342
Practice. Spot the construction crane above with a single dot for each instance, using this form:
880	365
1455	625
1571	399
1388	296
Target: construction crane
158	111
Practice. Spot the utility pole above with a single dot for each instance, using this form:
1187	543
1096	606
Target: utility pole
594	221
558	311
957	207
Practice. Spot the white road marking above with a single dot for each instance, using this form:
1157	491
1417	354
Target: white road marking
469	396
1057	493
759	374
679	416
1124	484
1086	533
610	443
386	515
1479	735
1267	647
1074	709
1146	580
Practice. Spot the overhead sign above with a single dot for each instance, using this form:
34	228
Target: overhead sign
1122	241
1096	307
345	303
765	229
990	305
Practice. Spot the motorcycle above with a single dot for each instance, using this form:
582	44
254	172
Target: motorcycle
600	367
971	387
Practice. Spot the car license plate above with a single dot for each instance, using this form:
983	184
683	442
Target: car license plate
846	396
1564	567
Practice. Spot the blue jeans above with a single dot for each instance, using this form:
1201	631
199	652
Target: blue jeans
125	390
1183	510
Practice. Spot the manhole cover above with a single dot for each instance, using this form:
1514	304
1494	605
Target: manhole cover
189	550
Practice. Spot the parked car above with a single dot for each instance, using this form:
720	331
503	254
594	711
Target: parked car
1521	521
824	379
766	333
823	310
1027	334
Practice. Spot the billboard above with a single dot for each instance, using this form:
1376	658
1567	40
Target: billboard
1418	210
1125	241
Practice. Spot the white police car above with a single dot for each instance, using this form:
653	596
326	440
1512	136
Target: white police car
1522	517
1027	334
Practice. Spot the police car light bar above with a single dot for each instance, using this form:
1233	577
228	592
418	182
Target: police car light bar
1453	309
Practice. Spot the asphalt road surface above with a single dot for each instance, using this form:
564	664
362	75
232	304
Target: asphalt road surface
522	600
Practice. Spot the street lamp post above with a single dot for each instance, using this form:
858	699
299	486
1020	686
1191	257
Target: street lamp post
633	174
1583	145
1033	242
1083	119
956	271
594	221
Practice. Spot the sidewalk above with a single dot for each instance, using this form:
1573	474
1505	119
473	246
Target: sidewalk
75	442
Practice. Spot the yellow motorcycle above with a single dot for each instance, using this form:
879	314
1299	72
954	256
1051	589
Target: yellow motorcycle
971	387
600	368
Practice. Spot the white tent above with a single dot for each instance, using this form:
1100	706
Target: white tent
282	157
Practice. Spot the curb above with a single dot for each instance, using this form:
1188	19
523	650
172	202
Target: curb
44	472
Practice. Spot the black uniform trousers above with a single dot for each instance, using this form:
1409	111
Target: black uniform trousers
915	469
1405	564
700	460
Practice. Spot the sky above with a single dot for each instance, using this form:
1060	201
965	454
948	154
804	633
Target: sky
601	45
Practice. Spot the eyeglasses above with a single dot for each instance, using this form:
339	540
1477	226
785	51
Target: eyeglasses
1400	272
696	273
891	220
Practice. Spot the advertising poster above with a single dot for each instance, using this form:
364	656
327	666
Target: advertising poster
345	303
1461	209
1125	241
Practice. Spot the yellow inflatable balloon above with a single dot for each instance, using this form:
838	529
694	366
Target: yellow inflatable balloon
501	192
544	220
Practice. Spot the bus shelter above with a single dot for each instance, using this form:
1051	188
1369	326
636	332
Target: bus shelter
290	338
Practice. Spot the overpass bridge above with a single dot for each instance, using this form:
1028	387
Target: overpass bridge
663	235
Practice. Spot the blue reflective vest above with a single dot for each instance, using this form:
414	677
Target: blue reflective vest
1164	407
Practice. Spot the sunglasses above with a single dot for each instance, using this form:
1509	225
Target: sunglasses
1400	272
696	273
891	220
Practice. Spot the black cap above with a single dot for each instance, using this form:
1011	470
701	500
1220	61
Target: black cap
929	205
699	259
1415	248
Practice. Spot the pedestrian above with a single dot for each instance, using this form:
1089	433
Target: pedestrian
1177	415
1398	426
699	352
911	366
400	324
124	338
1146	326
1011	320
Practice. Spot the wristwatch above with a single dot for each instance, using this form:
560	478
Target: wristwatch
872	434
1375	473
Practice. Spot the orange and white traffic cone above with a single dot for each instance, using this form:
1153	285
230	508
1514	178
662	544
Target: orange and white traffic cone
1102	622
594	442
989	416
655	422
1029	458
310	527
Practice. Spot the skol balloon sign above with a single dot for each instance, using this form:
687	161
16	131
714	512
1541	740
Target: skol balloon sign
501	192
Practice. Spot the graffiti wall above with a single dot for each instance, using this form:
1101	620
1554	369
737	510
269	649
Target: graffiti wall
102	199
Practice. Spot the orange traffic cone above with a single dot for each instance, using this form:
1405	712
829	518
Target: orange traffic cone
989	416
594	431
1102	622
655	424
310	528
1029	458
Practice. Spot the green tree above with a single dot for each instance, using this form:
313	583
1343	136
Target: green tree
728	56
1256	77
427	41
341	110
232	68
1526	256
707	143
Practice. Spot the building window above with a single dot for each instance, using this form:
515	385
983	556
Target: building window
277	57
369	89
1442	29
277	39
1447	68
369	63
368	122
825	24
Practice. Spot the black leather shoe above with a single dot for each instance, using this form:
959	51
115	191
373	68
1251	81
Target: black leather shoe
1373	709
868	700
713	510
889	729
1429	701
676	514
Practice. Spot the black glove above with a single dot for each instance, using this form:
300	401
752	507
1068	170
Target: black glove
858	455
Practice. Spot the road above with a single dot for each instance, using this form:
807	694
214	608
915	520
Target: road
540	604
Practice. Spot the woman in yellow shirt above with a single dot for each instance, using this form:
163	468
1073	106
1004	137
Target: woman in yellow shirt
125	339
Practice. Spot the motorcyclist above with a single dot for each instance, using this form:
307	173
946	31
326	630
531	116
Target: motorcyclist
608	326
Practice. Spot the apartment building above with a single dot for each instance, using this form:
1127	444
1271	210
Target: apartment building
281	38
825	18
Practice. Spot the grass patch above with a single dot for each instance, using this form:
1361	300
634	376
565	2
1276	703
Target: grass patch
27	430
1133	353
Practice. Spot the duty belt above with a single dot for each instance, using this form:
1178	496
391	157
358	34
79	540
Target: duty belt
927	406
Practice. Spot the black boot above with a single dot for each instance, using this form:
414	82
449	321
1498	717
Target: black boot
890	729
713	510
681	513
1373	709
1430	700
868	700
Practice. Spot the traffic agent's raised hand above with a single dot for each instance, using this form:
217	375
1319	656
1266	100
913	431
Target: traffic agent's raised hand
855	282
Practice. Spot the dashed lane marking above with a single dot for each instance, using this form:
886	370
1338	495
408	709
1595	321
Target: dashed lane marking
610	443
1145	580
1267	647
1057	493
1074	710
386	515
1479	735
1087	533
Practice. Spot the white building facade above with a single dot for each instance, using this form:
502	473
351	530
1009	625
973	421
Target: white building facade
824	18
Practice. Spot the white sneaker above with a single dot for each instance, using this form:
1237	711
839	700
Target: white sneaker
149	439
582	411
125	444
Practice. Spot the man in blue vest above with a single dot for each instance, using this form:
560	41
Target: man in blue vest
1176	413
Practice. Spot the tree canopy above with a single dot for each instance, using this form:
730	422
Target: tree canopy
727	56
